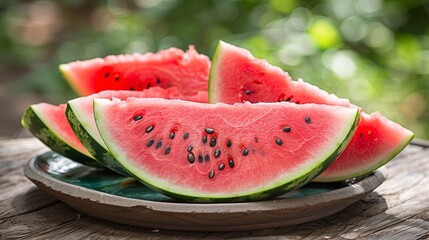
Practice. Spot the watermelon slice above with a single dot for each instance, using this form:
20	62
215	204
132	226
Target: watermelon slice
188	71
49	124
202	152
237	76
80	115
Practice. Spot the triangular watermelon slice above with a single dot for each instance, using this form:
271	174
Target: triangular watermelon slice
80	115
237	76
188	71
49	124
220	152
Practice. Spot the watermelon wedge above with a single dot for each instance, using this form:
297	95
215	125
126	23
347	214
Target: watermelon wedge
80	115
188	71
237	76
203	152
48	123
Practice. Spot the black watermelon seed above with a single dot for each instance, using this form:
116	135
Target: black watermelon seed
287	129
167	150
172	135
200	158
206	158
186	135
148	85
106	75
190	148
212	142
209	130
149	129
158	81
204	139
138	117
256	139
307	120
191	158
279	141
211	174
245	152
231	163
131	89
117	78
150	142
247	92
159	144
228	143
217	153
221	166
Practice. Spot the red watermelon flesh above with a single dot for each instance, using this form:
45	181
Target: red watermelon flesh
175	93
54	117
237	76
202	152
374	134
49	124
82	108
81	118
188	71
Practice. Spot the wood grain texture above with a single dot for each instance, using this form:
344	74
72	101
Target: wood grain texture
398	209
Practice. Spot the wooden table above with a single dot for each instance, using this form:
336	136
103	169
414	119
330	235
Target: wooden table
398	209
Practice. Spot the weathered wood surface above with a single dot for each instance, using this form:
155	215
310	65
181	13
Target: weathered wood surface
398	209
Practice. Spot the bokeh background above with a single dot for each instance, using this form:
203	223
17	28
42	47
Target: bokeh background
374	52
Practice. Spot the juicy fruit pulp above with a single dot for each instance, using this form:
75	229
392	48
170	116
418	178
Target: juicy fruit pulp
202	152
364	153
237	76
80	115
49	124
188	71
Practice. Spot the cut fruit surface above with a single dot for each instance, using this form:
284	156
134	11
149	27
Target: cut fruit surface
49	124
376	141
80	115
188	71
237	76
219	152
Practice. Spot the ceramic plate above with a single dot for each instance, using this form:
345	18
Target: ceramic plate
106	195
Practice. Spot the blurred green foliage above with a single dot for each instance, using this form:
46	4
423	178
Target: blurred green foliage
374	52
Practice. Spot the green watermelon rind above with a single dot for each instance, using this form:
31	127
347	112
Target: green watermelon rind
214	69
35	124
96	149
368	170
294	181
